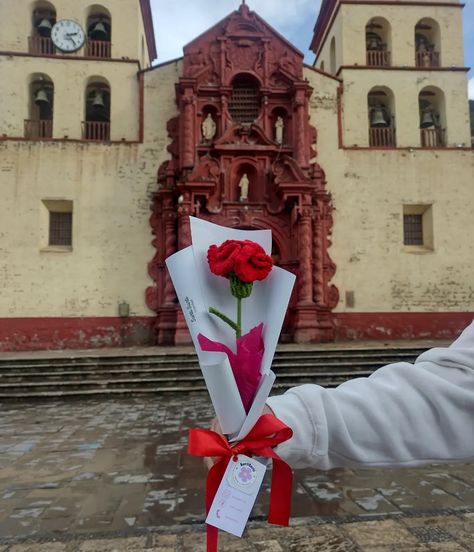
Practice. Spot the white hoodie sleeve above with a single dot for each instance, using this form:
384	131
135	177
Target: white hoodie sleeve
402	415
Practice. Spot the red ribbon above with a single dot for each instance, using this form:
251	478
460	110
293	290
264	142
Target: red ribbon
266	433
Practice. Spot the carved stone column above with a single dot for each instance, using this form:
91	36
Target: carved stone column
305	255
301	120
184	228
182	335
167	313
305	310
188	130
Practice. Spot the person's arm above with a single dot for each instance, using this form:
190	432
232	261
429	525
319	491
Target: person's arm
402	415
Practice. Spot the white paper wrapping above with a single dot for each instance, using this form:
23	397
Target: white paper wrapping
198	289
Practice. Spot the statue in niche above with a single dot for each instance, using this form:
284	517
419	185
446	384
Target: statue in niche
244	187
208	128
279	128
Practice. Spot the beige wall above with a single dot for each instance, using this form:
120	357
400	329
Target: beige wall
70	78
110	187
127	26
369	189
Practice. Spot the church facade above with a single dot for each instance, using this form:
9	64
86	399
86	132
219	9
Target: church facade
360	165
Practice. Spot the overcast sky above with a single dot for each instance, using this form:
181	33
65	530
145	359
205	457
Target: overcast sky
177	22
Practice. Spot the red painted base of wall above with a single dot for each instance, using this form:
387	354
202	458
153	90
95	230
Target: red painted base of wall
400	325
35	334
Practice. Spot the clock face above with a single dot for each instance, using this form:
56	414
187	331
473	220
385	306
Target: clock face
67	35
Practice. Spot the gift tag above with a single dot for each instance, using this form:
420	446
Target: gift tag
236	494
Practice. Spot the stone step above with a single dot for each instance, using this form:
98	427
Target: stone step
320	371
191	358
278	363
97	375
126	391
314	377
276	366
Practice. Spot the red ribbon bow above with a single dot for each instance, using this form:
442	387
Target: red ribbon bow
266	433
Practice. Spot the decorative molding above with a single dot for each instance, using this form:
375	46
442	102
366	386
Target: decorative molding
70	57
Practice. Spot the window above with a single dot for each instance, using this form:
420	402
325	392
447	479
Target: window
56	225
99	33
41	108
413	229
44	18
244	104
418	227
431	104
96	127
427	43
332	55
377	42
60	228
381	111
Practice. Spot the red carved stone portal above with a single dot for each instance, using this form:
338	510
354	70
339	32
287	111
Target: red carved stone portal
246	81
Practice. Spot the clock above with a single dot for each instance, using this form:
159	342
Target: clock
68	36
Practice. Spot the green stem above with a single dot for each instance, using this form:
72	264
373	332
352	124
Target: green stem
226	319
238	331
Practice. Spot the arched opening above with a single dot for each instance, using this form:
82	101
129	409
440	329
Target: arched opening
381	114
99	32
332	55
322	66
427	43
96	126
378	42
431	104
41	107
244	105
43	20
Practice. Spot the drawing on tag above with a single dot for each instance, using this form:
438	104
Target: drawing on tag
243	475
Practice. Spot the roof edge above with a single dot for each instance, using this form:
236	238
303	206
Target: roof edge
149	28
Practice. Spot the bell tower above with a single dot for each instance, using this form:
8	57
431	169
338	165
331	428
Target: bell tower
71	69
404	62
242	155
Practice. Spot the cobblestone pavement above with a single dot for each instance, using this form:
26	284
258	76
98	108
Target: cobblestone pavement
114	475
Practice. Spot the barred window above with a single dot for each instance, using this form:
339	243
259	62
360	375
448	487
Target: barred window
413	229
60	228
244	104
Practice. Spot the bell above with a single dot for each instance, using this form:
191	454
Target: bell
41	97
374	44
99	32
98	100
44	27
377	118
427	120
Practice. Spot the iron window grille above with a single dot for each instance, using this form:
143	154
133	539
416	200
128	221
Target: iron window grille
413	229
60	229
244	104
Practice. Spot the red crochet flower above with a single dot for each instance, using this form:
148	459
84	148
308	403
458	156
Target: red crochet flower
222	259
245	258
252	263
